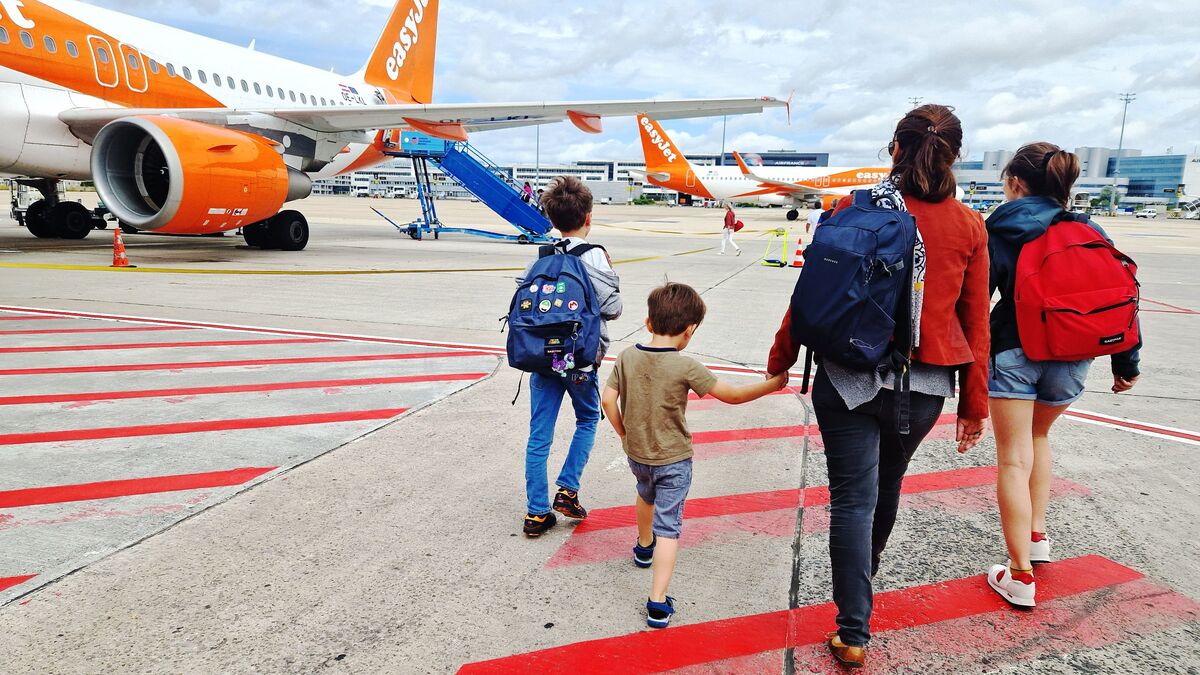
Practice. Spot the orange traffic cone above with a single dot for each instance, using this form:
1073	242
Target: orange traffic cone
119	257
798	259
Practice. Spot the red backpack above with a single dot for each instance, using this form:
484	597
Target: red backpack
1076	295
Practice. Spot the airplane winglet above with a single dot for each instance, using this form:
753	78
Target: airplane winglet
788	105
741	163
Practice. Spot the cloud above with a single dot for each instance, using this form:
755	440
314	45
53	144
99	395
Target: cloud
1015	70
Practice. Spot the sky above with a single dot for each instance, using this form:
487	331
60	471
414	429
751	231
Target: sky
1016	71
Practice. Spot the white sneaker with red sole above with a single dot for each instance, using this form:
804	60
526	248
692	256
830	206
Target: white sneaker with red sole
1016	592
1039	551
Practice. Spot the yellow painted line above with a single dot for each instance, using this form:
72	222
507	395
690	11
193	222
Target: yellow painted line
302	273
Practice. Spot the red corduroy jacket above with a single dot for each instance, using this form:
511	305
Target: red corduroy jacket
954	318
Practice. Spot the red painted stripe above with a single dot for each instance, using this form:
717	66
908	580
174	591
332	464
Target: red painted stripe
59	494
156	345
9	582
682	646
236	388
185	365
753	502
107	329
197	427
33	317
762	433
1138	426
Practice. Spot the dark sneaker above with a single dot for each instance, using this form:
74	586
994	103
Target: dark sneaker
643	556
566	502
536	525
658	614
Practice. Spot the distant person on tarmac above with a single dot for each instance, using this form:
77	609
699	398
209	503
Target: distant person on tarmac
732	225
541	205
857	412
646	402
814	219
1027	396
527	192
568	204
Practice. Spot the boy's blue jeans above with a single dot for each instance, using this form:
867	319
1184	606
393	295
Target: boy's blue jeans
545	399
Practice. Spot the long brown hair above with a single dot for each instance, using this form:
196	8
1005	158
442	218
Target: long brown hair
930	138
1048	171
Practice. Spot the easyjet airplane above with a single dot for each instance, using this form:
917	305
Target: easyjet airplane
188	135
777	186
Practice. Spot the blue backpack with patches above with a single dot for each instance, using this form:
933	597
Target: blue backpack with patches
554	319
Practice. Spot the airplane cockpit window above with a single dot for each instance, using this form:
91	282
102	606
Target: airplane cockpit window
51	47
26	39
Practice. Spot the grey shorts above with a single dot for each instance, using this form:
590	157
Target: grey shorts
666	487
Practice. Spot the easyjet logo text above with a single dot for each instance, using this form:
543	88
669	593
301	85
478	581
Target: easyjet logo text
12	10
409	35
658	141
871	175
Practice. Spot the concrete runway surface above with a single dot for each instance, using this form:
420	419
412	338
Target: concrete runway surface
234	460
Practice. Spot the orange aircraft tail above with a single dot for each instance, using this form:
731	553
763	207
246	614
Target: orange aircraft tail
402	63
665	163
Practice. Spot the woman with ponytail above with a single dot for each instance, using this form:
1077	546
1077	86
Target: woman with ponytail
1027	396
866	455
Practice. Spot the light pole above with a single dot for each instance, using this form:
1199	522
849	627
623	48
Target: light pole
721	159
1128	98
914	101
537	158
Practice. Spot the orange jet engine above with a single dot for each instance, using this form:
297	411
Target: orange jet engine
183	177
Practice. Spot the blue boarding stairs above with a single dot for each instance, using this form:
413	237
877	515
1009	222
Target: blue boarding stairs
478	175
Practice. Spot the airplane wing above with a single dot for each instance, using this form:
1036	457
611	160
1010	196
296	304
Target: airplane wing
656	175
771	182
448	120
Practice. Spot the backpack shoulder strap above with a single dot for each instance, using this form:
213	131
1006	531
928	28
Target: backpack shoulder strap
862	198
578	251
551	249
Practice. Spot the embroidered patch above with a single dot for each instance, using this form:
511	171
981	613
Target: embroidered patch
558	302
572	305
561	288
544	306
547	289
526	305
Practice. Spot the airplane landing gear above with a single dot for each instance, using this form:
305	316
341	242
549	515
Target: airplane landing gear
51	217
257	234
793	214
70	220
36	223
289	231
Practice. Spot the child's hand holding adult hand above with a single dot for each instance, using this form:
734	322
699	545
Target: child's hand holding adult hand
968	434
778	381
1121	384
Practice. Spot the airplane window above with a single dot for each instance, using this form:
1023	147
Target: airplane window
171	69
245	87
3	36
204	78
257	89
187	73
323	102
292	94
27	39
102	54
229	81
303	98
134	62
50	46
154	66
270	91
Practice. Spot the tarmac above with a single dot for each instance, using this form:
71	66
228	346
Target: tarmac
151	521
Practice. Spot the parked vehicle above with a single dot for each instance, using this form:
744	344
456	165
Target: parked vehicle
1146	213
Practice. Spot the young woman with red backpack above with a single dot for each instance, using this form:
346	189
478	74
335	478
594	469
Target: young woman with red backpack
1066	296
867	450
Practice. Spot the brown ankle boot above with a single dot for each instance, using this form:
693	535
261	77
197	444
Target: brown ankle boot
847	656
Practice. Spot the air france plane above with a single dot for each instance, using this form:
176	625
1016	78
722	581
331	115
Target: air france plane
185	134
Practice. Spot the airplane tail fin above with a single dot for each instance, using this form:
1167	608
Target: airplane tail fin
402	62
662	156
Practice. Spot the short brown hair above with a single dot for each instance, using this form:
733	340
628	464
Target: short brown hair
930	139
674	307
1048	170
567	202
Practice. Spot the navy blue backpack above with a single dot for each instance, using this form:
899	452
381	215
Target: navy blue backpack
554	318
853	301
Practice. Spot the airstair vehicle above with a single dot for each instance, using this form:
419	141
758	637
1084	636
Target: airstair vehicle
1190	209
478	175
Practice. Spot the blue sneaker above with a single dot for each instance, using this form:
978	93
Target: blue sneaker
658	614
643	556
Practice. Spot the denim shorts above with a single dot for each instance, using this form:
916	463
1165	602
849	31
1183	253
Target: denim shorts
1053	383
666	487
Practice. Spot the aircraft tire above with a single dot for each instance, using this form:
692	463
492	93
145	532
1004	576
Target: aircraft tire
793	214
129	229
289	230
70	220
258	235
37	223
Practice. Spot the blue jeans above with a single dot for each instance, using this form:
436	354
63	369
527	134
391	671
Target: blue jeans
866	459
545	399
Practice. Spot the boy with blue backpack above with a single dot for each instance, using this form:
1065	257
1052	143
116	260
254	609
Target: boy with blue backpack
558	333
